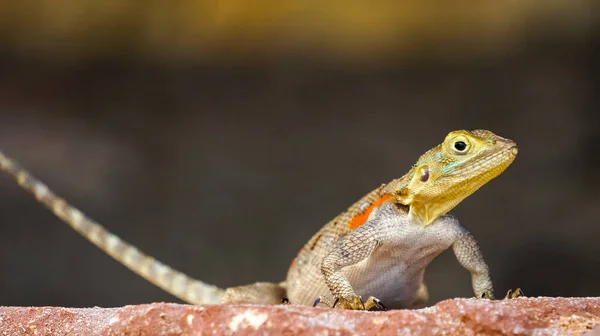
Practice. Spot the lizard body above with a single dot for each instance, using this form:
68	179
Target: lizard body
378	247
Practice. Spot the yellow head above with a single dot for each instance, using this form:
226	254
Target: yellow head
450	172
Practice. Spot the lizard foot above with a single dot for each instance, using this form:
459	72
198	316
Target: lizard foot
514	294
356	303
487	295
374	304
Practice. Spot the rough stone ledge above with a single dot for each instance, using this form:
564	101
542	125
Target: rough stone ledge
522	316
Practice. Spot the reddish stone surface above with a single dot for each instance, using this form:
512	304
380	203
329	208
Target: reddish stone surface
522	316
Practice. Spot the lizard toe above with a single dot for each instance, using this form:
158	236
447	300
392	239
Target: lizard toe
514	294
352	303
374	304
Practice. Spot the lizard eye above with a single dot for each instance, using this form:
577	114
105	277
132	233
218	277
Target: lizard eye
460	146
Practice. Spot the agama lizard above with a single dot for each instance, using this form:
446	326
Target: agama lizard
378	248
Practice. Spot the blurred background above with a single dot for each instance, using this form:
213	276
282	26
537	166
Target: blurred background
219	136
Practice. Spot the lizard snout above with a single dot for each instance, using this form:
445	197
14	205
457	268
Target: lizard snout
510	145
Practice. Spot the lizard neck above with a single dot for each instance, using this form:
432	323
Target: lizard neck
418	212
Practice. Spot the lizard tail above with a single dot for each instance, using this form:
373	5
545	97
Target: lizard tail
174	282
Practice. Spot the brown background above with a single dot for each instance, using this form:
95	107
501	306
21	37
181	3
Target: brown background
218	138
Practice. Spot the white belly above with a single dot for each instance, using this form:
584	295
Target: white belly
393	278
393	272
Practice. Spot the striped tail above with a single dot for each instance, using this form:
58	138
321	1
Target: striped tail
178	284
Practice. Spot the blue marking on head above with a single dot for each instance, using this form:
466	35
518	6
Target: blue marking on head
447	168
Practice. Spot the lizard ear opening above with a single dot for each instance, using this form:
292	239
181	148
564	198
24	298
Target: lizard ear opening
424	173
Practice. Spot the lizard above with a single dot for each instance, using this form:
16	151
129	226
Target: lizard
378	248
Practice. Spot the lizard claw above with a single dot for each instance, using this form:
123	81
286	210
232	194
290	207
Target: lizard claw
356	303
514	294
352	303
374	304
486	295
509	295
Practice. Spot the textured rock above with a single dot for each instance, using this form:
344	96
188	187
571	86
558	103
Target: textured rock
523	316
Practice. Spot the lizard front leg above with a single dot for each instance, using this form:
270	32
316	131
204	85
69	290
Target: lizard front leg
470	257
352	248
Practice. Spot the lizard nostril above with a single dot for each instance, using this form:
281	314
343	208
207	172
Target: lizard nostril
514	150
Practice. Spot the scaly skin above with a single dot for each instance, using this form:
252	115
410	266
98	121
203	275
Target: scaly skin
379	247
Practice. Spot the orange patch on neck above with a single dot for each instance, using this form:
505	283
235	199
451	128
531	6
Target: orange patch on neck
362	217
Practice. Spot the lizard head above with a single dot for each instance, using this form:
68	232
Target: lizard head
448	173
